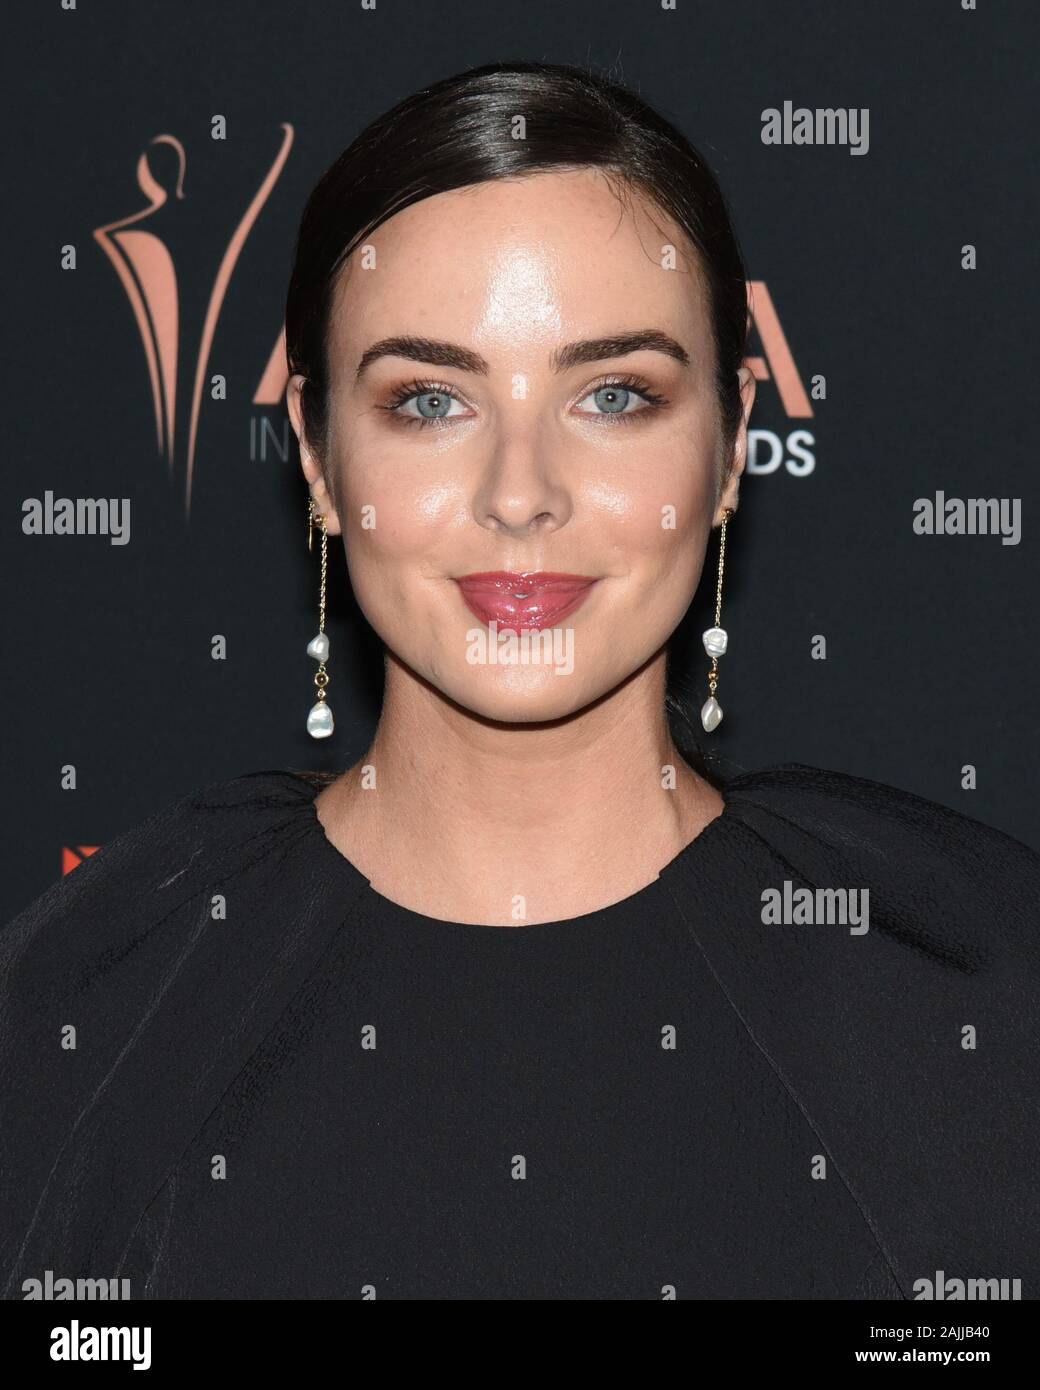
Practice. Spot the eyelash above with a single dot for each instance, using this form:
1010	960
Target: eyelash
419	388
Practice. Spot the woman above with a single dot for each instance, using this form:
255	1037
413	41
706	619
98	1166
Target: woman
529	1003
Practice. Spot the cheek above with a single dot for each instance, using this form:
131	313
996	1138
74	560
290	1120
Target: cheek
402	536
657	516
393	519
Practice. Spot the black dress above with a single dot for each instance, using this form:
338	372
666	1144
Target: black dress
285	1086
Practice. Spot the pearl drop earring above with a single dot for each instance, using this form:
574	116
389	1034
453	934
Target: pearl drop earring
320	723
716	641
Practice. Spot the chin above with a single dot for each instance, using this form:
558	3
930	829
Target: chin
521	694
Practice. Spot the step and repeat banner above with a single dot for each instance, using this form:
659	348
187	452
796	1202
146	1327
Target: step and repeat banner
881	578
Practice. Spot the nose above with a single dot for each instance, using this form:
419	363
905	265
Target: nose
522	489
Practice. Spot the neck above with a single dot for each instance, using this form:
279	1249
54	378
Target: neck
510	825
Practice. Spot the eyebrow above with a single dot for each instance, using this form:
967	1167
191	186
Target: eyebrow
436	353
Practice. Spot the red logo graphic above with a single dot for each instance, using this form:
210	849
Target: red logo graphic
73	858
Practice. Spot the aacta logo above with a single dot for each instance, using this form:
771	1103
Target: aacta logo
148	275
150	279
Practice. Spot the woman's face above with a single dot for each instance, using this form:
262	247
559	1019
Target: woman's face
524	448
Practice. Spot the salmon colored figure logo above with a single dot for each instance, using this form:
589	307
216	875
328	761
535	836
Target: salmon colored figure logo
146	270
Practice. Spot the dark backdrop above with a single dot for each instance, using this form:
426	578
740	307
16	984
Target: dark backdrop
929	372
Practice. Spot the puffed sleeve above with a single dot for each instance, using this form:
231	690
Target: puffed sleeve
912	1047
132	992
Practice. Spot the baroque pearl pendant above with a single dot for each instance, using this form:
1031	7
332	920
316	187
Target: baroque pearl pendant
319	721
711	714
318	647
715	640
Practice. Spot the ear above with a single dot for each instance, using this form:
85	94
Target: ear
738	461
312	469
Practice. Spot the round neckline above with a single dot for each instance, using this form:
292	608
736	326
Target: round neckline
621	908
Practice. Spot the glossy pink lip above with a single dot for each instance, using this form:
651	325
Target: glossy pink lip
524	602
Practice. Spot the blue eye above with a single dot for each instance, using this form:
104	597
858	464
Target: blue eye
613	400
424	403
619	398
430	405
